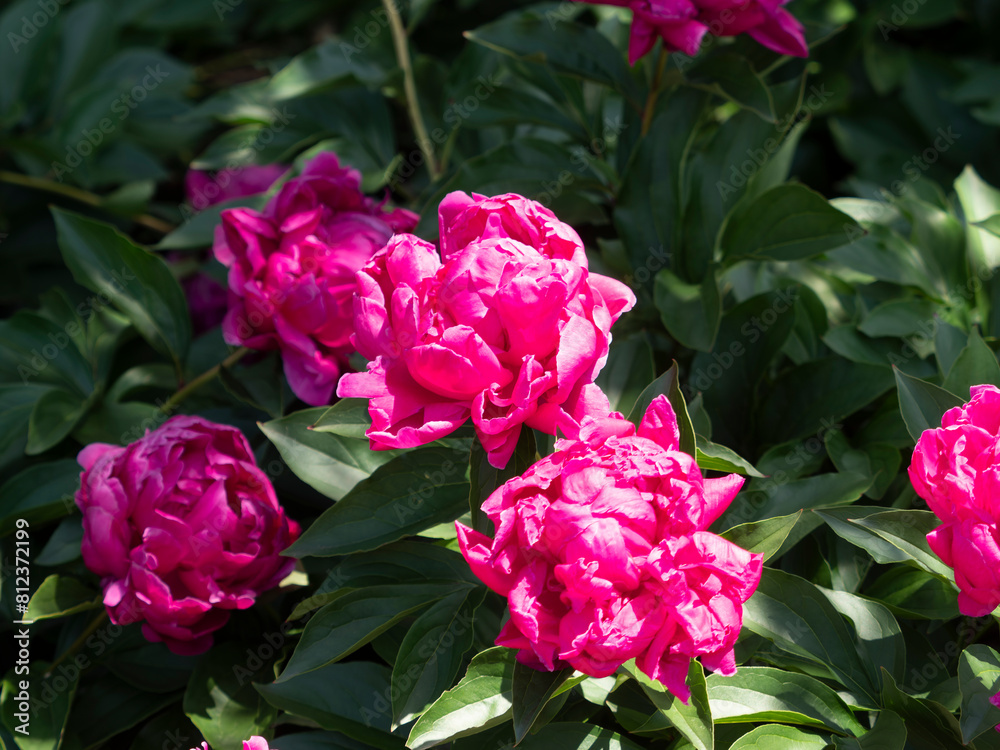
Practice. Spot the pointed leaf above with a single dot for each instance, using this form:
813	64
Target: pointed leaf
922	404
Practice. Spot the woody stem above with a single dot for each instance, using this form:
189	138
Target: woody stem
654	91
400	41
83	196
171	403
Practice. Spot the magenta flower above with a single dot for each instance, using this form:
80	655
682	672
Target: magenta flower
203	189
683	23
510	329
956	469
291	271
183	527
602	552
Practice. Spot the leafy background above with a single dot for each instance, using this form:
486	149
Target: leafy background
813	243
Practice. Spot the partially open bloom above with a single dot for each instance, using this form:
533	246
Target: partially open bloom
183	527
683	23
602	552
292	266
956	469
204	189
508	326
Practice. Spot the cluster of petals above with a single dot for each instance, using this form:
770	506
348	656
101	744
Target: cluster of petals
183	527
602	552
956	469
682	24
292	266
507	326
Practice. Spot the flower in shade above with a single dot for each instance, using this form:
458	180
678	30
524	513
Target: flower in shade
292	266
602	552
956	469
183	527
682	24
507	326
202	189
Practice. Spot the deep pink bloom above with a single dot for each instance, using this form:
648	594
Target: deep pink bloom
510	329
291	271
956	469
203	189
183	527
995	700
683	23
602	552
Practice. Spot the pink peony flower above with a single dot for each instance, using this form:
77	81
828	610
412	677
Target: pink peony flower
183	527
292	267
683	23
204	189
602	553
510	329
956	469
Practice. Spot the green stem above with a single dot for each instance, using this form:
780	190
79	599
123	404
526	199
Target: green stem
654	91
88	631
399	40
171	403
83	196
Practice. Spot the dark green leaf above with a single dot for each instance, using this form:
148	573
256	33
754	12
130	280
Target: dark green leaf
930	726
348	418
108	706
567	47
714	457
47	720
979	680
221	701
481	700
431	653
350	621
327	462
764	537
762	694
64	544
794	614
693	720
53	418
690	312
565	736
41	493
137	282
774	736
359	707
907	530
787	222
976	365
405	496
531	689
59	596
